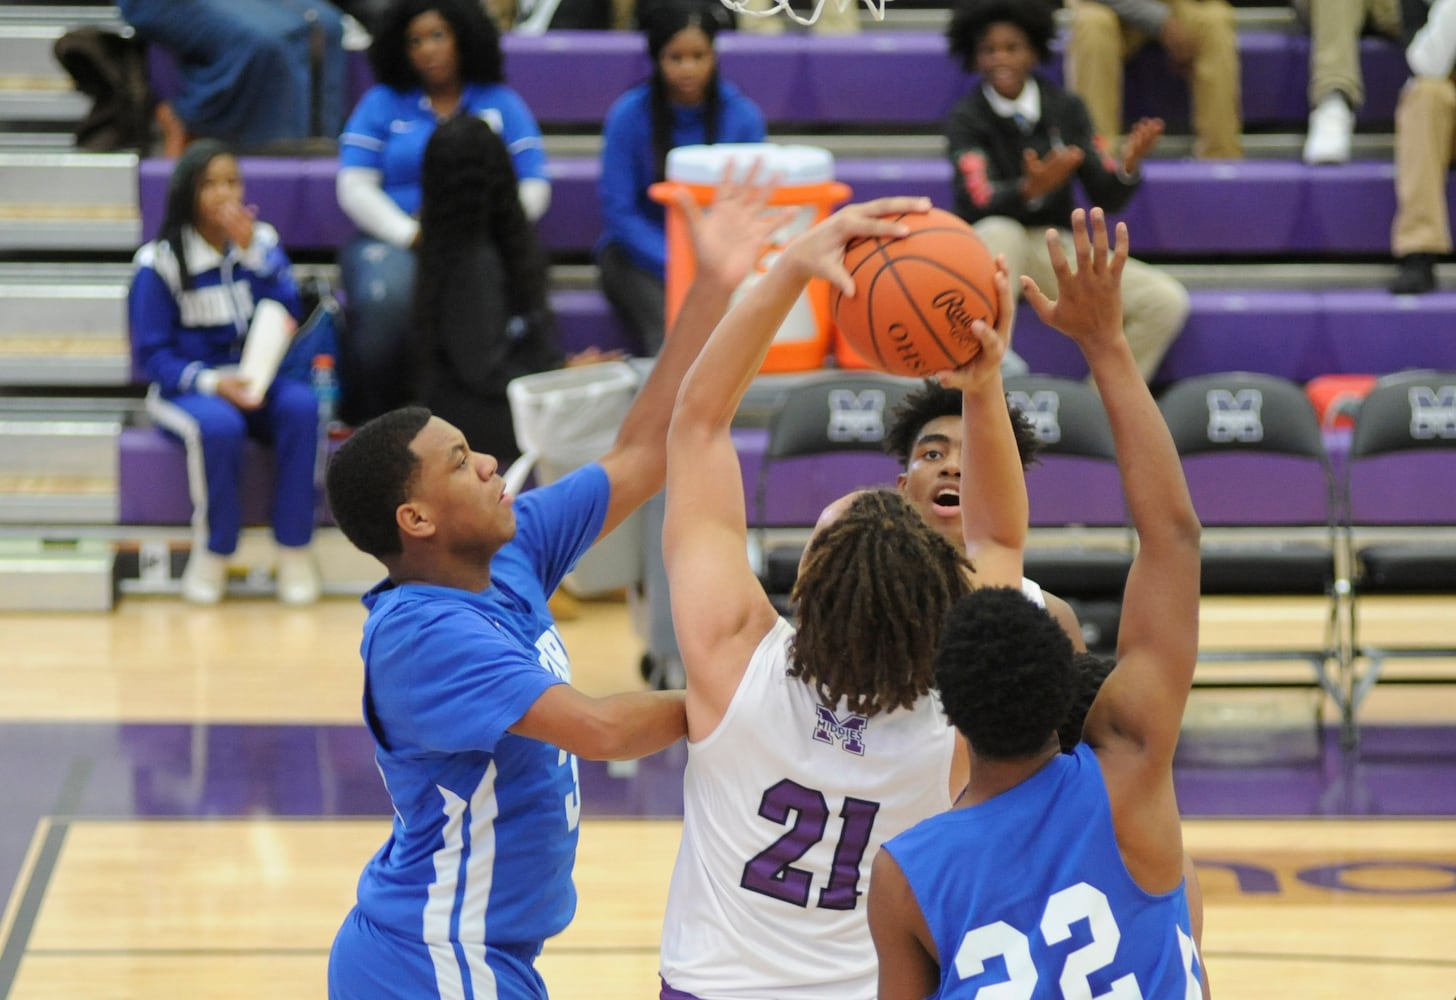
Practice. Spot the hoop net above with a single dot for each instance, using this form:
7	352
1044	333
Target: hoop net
771	8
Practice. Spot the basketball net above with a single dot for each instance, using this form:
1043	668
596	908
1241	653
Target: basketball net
771	8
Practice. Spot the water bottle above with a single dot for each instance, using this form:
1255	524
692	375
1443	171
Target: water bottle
326	391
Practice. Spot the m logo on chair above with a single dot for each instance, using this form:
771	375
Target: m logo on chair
1433	412
1235	416
856	416
1043	408
849	733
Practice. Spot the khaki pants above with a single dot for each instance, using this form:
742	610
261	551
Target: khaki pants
832	21
1154	304
1101	43
1425	143
1335	27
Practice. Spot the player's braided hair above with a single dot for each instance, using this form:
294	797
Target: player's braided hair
873	591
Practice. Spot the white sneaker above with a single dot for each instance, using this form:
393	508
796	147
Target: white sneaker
298	576
205	579
1331	126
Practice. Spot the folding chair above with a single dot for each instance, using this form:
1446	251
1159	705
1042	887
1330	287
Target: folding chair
1080	546
825	438
1261	481
1401	505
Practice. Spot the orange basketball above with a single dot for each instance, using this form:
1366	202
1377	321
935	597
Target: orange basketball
916	297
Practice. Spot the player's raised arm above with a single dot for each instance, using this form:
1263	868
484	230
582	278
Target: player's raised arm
994	509
720	611
1134	722
727	242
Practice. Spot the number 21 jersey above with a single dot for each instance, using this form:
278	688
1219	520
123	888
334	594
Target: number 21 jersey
785	804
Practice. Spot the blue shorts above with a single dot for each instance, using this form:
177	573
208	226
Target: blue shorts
668	993
370	963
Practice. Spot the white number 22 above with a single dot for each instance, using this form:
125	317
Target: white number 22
1063	909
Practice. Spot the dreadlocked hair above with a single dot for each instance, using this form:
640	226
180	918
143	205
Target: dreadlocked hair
873	591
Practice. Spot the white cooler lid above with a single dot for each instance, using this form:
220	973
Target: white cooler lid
794	165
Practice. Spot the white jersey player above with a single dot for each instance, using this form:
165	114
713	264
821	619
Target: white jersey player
809	744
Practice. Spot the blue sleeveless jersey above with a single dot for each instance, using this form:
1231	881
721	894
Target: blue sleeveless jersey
485	824
1030	889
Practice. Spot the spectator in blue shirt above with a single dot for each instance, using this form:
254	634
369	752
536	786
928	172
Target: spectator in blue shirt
434	60
685	102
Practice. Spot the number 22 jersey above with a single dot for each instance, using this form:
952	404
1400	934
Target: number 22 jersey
1027	895
784	805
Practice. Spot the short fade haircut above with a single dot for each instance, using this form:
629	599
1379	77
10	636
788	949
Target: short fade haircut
477	42
1091	670
1004	670
933	400
370	475
971	18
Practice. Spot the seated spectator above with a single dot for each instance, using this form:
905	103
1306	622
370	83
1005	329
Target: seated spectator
1016	142
200	288
247	68
434	60
1425	142
1198	36
683	103
481	312
1336	86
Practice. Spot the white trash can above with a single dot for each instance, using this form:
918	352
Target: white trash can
565	419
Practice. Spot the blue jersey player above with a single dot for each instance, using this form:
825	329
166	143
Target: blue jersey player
1061	875
466	683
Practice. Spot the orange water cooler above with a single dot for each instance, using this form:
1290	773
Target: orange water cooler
805	177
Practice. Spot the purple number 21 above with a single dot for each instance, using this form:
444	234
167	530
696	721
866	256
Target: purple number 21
771	870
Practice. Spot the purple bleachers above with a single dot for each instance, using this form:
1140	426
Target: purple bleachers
1186	208
152	480
901	77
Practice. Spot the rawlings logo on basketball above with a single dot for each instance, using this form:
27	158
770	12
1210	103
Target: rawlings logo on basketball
954	305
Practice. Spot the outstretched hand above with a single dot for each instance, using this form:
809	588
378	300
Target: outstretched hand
819	253
1088	307
994	341
729	236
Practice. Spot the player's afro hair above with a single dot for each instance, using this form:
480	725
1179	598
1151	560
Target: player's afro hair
1004	670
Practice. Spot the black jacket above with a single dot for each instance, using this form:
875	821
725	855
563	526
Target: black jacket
986	152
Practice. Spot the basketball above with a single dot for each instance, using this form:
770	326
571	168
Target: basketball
916	296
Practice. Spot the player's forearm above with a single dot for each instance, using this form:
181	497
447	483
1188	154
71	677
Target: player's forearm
736	351
994	511
1152	475
634	725
703	306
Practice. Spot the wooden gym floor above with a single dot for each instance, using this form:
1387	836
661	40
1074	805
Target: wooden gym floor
189	798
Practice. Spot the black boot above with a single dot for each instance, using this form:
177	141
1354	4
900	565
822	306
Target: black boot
1415	274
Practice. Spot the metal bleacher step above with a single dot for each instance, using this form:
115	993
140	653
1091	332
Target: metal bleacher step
33	86
64	325
69	574
59	460
1320	276
69	201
